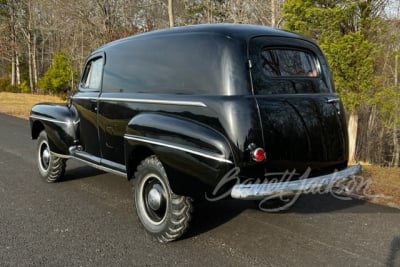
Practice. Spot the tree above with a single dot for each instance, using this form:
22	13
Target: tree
58	78
345	31
8	12
26	24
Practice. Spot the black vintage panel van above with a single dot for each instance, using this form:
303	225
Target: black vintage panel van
207	110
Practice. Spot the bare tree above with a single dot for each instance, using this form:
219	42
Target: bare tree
9	10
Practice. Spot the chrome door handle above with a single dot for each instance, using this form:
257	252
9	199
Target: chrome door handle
333	100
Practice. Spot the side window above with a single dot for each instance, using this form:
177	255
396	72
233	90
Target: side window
92	74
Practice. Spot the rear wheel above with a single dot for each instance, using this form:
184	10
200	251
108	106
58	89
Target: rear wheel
163	214
51	167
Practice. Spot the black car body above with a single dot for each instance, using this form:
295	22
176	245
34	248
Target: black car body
201	100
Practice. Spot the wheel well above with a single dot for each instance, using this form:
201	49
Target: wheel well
137	155
37	127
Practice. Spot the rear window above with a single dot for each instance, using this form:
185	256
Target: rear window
287	69
288	63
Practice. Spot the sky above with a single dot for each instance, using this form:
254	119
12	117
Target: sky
393	9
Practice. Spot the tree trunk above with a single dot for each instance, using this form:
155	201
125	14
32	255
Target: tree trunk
13	47
34	65
30	64
396	144
171	13
30	47
371	136
17	69
210	11
12	70
273	13
352	129
396	148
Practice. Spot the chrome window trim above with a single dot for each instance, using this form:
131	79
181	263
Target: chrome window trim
177	147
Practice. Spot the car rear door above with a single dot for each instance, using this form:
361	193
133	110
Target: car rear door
301	116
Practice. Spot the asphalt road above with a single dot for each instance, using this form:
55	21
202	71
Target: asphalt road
87	220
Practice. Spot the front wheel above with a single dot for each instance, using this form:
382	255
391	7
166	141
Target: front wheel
51	167
163	214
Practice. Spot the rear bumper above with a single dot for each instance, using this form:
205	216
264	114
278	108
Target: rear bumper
311	185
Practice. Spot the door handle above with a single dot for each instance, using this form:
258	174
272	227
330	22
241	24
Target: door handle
333	100
94	101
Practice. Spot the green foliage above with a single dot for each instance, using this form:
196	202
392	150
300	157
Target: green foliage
4	83
5	86
352	62
342	28
387	102
57	79
24	87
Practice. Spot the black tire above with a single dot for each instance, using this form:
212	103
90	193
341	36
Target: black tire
51	167
163	214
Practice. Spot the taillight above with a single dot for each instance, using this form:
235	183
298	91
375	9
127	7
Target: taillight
258	154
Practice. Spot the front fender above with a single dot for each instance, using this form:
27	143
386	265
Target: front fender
194	155
60	123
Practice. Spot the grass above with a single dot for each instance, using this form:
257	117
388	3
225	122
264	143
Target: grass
385	181
19	105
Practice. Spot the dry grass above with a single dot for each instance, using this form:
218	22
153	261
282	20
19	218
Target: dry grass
19	105
385	181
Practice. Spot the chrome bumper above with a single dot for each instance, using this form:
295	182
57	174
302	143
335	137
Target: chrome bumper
318	184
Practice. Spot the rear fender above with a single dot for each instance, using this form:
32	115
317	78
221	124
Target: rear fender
60	123
194	155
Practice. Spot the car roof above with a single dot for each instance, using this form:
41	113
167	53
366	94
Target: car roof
236	31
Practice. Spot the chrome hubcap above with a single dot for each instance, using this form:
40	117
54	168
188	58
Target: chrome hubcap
155	200
44	156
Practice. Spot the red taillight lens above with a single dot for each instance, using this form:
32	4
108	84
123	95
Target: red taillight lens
258	154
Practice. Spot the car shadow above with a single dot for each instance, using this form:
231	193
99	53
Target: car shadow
331	203
80	172
394	254
210	215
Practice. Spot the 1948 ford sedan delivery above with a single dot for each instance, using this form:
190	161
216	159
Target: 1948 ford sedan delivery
176	110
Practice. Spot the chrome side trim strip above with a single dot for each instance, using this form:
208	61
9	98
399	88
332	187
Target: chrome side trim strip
177	147
38	117
151	101
85	97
